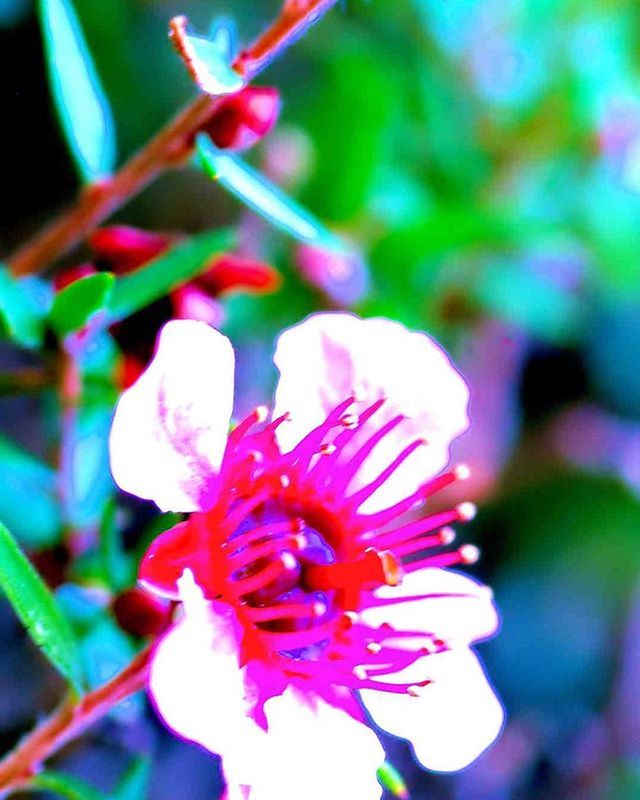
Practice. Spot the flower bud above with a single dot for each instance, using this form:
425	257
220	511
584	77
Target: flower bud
68	276
122	249
341	275
141	613
234	273
242	119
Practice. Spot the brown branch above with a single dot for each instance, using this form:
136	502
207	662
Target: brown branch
69	720
169	148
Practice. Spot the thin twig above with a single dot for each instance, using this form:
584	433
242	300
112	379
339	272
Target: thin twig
69	720
171	147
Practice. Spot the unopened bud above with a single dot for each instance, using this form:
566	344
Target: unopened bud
242	119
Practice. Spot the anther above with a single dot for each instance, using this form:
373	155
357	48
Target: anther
348	620
327	449
447	535
360	673
469	553
261	413
466	511
285	481
391	568
414	691
462	472
350	421
374	647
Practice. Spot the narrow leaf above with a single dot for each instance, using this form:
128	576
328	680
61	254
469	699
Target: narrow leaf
23	306
27	483
66	786
264	197
81	103
392	781
79	301
38	610
174	267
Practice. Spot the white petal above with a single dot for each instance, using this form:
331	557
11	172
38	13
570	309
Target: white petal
329	357
447	604
317	752
170	428
198	687
454	719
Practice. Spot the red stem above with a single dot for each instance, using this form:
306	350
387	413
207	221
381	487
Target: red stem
70	719
169	148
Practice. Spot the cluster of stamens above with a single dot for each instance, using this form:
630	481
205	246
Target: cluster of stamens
299	561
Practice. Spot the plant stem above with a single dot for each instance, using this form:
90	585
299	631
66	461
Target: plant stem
171	147
70	719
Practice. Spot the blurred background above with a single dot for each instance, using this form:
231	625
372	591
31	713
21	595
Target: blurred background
482	158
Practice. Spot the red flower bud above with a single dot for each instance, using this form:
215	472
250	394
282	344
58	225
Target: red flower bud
234	273
141	613
122	248
242	119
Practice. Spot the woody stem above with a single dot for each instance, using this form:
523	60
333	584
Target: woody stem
72	717
171	147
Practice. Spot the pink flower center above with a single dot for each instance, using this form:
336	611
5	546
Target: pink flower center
288	547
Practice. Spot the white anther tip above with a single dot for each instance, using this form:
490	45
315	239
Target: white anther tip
462	472
374	647
288	560
466	511
414	691
469	553
285	481
447	535
261	413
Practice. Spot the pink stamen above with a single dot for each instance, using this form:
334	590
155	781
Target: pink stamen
363	494
293	611
270	573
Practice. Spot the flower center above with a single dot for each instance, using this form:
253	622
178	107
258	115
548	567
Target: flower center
299	560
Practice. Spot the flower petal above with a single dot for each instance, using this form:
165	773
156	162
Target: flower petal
315	751
329	357
452	721
170	428
198	687
447	604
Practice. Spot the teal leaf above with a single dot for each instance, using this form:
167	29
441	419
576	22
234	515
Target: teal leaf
210	60
38	610
263	197
65	786
135	782
81	103
78	302
28	497
23	305
118	568
176	266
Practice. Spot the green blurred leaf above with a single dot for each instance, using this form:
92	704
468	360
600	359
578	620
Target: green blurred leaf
174	267
135	782
392	781
79	301
28	497
266	199
85	478
118	568
38	610
23	306
348	121
81	103
66	786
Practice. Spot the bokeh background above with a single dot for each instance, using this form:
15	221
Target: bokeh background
483	156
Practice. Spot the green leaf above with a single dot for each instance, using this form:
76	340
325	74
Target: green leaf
79	301
66	786
23	306
266	199
174	267
81	103
27	483
392	781
38	610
